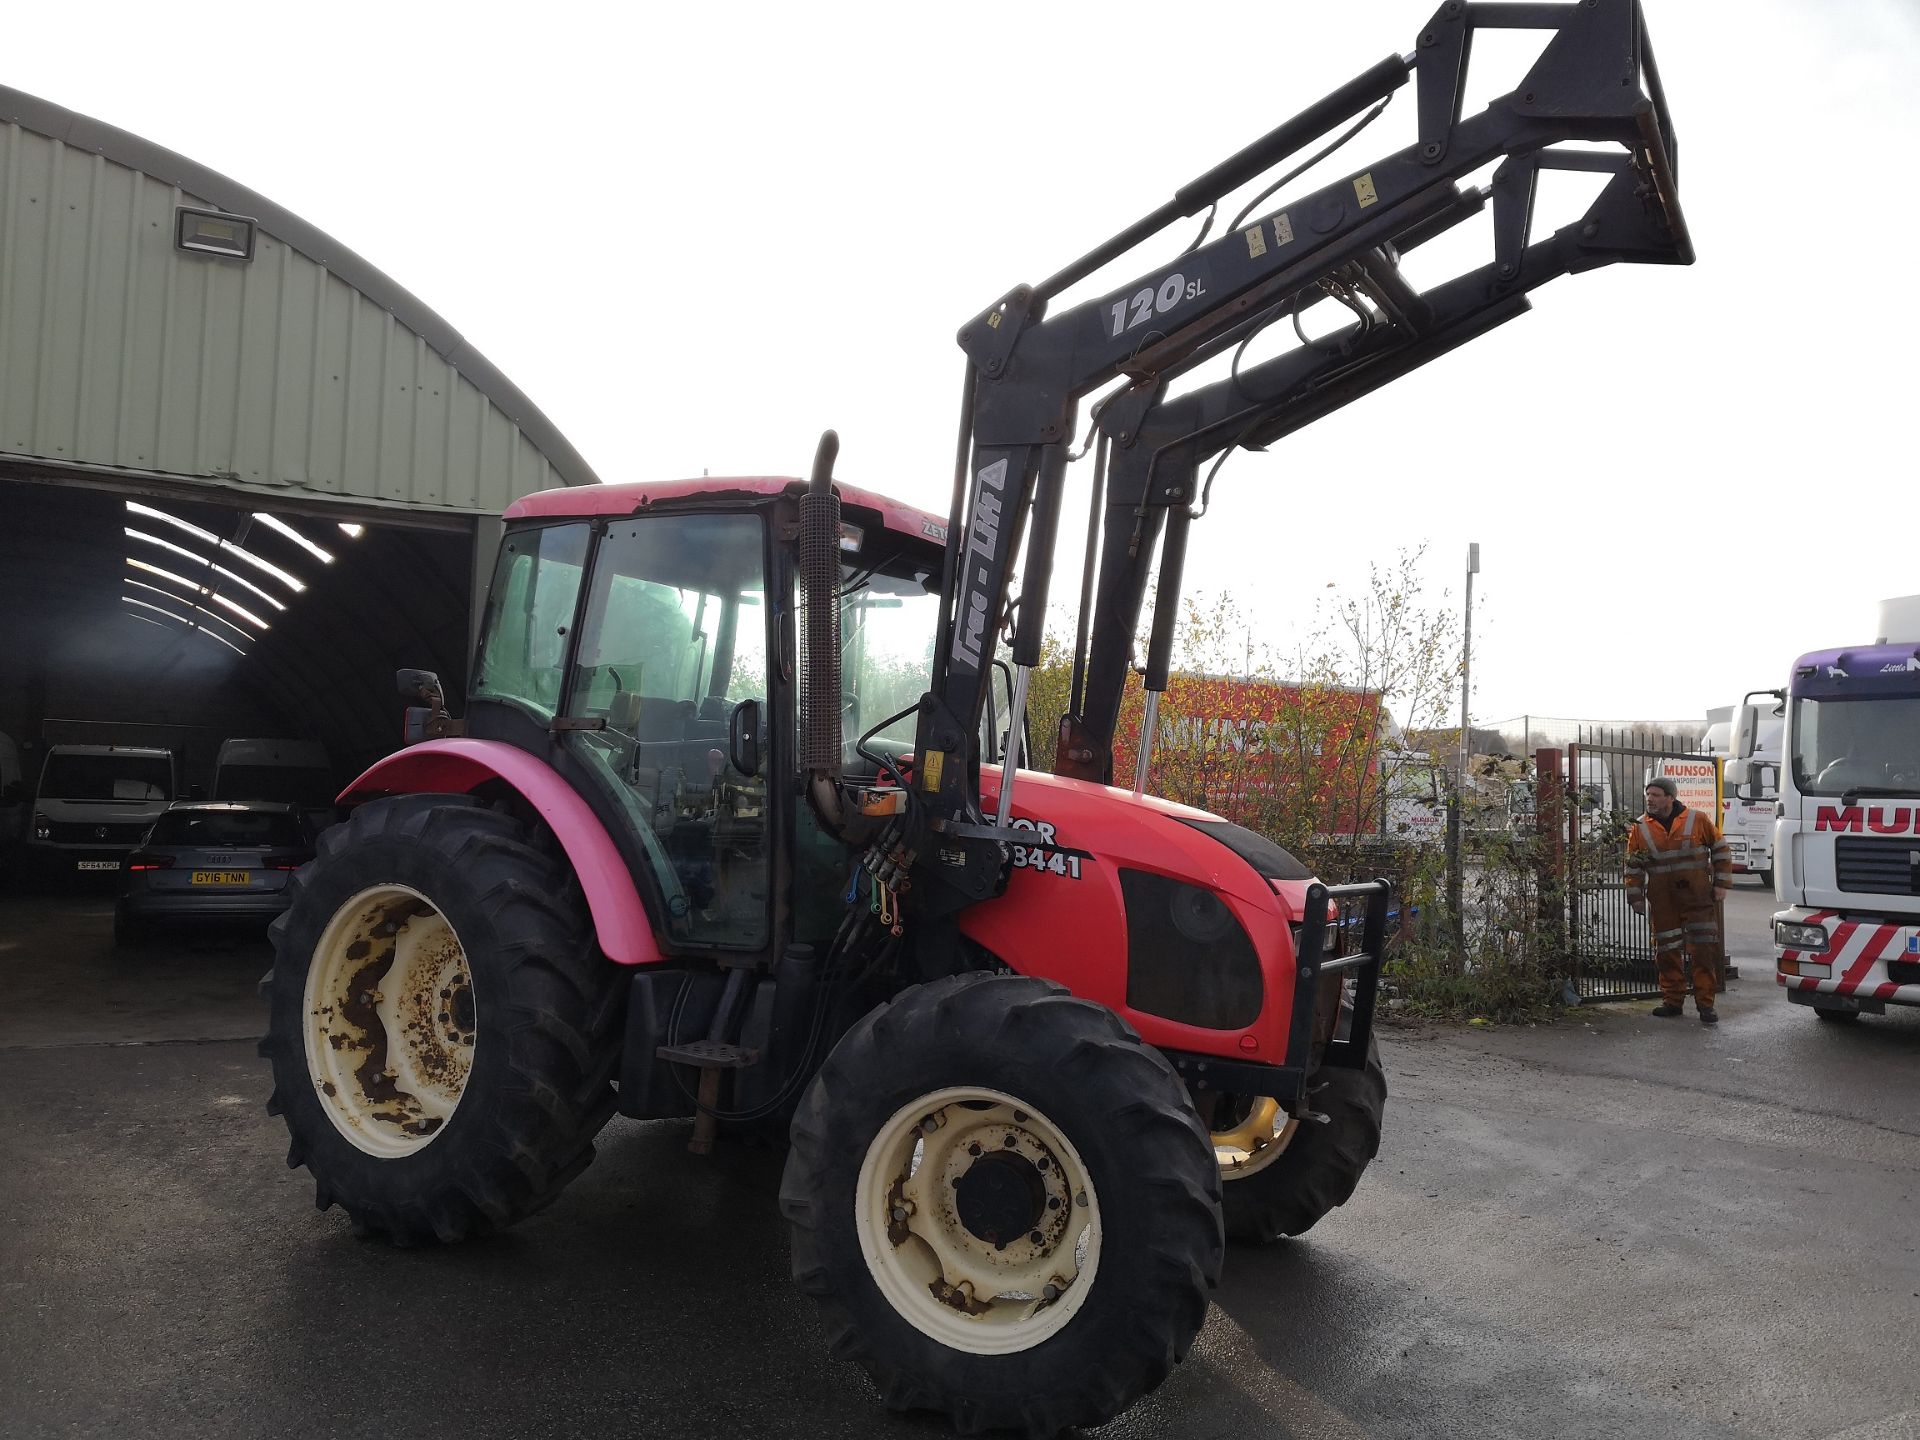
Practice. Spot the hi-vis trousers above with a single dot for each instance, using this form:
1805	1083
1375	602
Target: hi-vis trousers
1685	921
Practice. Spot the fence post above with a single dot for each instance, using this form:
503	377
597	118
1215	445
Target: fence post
1576	815
1550	856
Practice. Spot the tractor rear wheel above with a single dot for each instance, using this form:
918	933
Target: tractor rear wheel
1006	1204
1281	1175
443	1030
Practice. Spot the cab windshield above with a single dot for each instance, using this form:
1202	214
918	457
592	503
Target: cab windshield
1864	745
887	619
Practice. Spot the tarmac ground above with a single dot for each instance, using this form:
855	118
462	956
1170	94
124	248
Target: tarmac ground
1611	1226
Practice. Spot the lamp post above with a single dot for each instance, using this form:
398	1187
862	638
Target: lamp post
1456	867
1466	663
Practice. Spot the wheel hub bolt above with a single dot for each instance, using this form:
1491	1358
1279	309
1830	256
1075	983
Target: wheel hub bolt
1053	1202
1081	1199
1009	1142
1042	1163
1050	1292
973	1149
1036	1238
900	1213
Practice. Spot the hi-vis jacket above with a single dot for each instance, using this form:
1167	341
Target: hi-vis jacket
1687	854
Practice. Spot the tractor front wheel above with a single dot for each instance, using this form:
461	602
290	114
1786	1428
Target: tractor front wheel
1006	1204
1281	1175
443	1030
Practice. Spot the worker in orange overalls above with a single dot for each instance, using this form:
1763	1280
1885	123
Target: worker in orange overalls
1678	863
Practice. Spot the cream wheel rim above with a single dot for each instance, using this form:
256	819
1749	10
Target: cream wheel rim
389	1020
978	1220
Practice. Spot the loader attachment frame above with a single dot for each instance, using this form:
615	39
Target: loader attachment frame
1594	82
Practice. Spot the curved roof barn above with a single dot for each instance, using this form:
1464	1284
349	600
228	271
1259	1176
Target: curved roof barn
244	475
158	318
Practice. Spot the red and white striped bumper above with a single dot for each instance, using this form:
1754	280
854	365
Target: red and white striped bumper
1864	958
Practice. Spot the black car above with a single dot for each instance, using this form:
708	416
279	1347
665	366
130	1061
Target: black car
212	860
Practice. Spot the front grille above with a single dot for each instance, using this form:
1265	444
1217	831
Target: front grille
1188	957
83	832
1879	867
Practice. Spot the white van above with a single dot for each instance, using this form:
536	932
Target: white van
96	802
287	772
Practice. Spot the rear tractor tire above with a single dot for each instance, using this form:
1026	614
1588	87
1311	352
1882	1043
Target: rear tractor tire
1280	1175
443	1030
1006	1204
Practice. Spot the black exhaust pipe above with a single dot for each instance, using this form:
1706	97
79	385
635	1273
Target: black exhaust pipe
820	700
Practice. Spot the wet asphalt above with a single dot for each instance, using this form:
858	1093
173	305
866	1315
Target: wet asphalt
1613	1226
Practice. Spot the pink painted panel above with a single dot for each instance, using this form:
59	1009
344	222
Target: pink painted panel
458	766
631	498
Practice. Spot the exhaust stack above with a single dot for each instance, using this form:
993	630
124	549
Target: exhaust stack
820	699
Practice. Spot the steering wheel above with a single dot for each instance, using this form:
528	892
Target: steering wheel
1846	771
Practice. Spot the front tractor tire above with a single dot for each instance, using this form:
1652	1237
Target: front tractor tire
1280	1175
1006	1204
443	1030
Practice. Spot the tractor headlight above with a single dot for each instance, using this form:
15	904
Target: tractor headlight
1329	944
1792	935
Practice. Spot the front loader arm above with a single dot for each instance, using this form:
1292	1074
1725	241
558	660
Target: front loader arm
1594	82
1157	445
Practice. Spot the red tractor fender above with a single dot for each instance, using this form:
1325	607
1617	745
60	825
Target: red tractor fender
460	766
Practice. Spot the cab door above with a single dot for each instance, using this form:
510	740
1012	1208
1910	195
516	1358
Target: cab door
669	680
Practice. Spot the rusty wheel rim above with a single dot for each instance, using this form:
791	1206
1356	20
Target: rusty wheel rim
978	1220
390	1021
1256	1141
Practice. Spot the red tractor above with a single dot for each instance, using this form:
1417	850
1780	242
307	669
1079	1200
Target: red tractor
727	827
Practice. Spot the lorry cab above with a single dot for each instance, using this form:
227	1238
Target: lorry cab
1753	781
1847	843
95	802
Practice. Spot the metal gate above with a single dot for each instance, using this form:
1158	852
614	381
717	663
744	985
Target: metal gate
1609	946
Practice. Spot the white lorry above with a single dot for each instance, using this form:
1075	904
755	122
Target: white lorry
1847	843
1753	781
95	803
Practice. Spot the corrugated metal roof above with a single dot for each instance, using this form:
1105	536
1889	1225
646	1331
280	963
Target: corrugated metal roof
303	371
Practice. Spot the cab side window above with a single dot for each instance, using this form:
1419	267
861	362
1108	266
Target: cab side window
523	640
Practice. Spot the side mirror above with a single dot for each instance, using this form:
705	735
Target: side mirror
420	687
743	737
196	792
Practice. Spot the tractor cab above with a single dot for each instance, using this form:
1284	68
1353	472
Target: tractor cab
641	641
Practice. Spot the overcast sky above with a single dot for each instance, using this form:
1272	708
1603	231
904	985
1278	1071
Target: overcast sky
698	235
